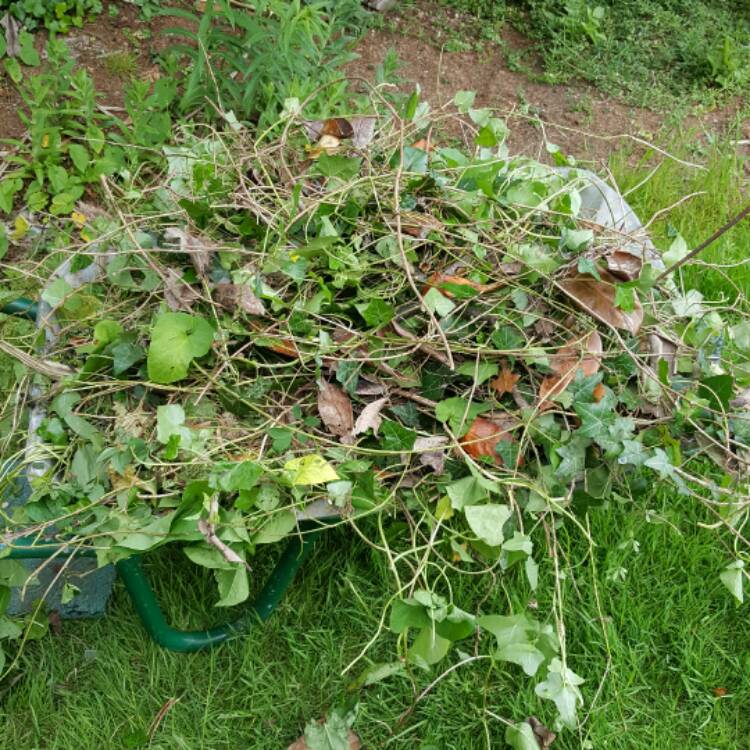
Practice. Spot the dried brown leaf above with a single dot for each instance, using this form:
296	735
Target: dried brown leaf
418	225
584	354
300	744
544	736
505	382
598	299
439	280
178	294
335	409
369	417
238	297
484	435
624	265
199	250
431	451
359	129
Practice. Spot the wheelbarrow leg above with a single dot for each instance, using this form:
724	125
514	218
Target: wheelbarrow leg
148	609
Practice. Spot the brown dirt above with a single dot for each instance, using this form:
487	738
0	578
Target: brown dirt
577	117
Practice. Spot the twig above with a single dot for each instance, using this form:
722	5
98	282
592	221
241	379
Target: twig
715	236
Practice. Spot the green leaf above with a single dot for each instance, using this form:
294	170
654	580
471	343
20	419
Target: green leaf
170	421
335	165
63	405
79	156
508	629
54	294
13	69
407	614
464	101
719	391
732	577
276	528
521	737
633	453
428	648
487	521
243	476
310	469
480	373
677	251
561	687
438	303
525	655
332	734
573	455
176	340
27	53
587	265
660	463
396	437
376	312
469	491
576	239
3	241
740	335
459	413
9	629
233	586
625	297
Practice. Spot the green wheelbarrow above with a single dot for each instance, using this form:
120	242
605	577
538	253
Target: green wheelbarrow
96	584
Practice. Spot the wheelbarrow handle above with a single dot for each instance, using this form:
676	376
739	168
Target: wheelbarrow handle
147	605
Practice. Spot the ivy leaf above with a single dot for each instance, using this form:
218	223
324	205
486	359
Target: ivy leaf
561	687
176	340
660	463
310	469
573	454
480	373
633	453
732	577
170	421
438	303
459	413
487	521
470	490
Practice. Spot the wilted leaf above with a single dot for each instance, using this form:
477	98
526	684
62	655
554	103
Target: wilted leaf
444	281
561	686
487	522
624	265
544	736
584	354
310	469
199	250
598	299
359	129
369	418
335	409
238	297
521	737
430	451
505	382
177	294
484	435
417	225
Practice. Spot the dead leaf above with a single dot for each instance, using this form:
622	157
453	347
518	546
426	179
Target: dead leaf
484	435
720	692
624	265
300	744
423	145
599	392
581	354
359	129
369	417
238	297
178	294
662	348
12	27
198	249
367	388
544	736
505	382
55	622
208	530
417	225
598	299
335	409
440	280
431	452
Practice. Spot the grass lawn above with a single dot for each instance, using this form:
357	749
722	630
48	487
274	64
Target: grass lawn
669	632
